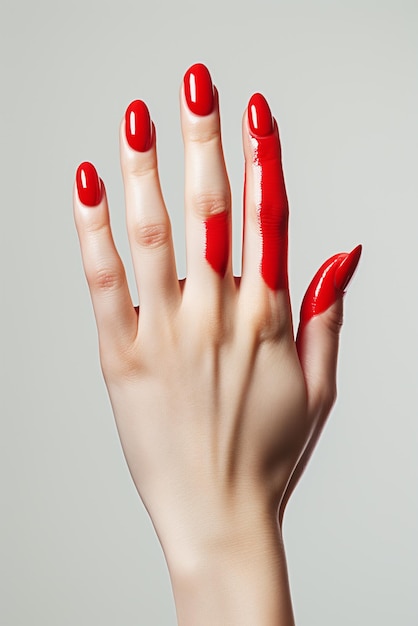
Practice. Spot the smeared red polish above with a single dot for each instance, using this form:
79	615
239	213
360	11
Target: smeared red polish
89	187
217	242
271	201
138	126
198	89
329	283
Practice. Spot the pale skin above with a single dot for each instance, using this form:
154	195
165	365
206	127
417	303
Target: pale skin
217	405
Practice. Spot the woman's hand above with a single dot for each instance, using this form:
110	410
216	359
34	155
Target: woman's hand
217	406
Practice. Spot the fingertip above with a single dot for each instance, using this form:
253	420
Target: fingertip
88	184
260	119
138	126
329	283
199	90
346	269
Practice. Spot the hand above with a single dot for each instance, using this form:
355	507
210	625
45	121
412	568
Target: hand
217	406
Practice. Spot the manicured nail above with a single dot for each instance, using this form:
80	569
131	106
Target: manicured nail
138	126
344	273
260	119
329	283
198	89
89	186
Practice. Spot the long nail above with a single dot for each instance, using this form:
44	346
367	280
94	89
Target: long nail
198	89
329	283
89	186
260	119
345	271
138	126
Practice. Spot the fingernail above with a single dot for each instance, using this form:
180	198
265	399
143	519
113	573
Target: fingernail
89	187
138	126
344	273
260	119
329	283
198	89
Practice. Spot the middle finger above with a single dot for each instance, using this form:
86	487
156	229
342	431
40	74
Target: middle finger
207	190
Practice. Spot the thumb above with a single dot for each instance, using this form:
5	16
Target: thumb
321	319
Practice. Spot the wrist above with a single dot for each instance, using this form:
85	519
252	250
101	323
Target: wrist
238	577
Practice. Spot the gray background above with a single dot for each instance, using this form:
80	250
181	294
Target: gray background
76	546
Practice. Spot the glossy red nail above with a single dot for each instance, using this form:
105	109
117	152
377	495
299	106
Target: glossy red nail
89	186
138	126
260	119
198	89
329	283
344	273
217	242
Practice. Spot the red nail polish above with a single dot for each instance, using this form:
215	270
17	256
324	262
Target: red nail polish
198	89
138	126
344	273
89	187
329	283
270	193
260	119
217	242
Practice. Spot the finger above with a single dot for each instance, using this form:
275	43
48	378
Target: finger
115	315
207	190
317	345
320	323
265	207
148	223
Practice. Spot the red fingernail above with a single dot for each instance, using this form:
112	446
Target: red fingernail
89	186
329	283
344	273
260	119
138	126
198	89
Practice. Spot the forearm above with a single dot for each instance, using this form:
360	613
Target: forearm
243	584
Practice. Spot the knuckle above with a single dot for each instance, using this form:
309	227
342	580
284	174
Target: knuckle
334	321
272	327
152	235
205	134
208	204
140	165
97	227
120	365
268	321
105	278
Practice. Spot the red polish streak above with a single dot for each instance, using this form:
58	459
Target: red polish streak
272	207
329	283
217	242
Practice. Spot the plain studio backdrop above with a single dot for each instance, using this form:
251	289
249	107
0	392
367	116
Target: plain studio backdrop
77	547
